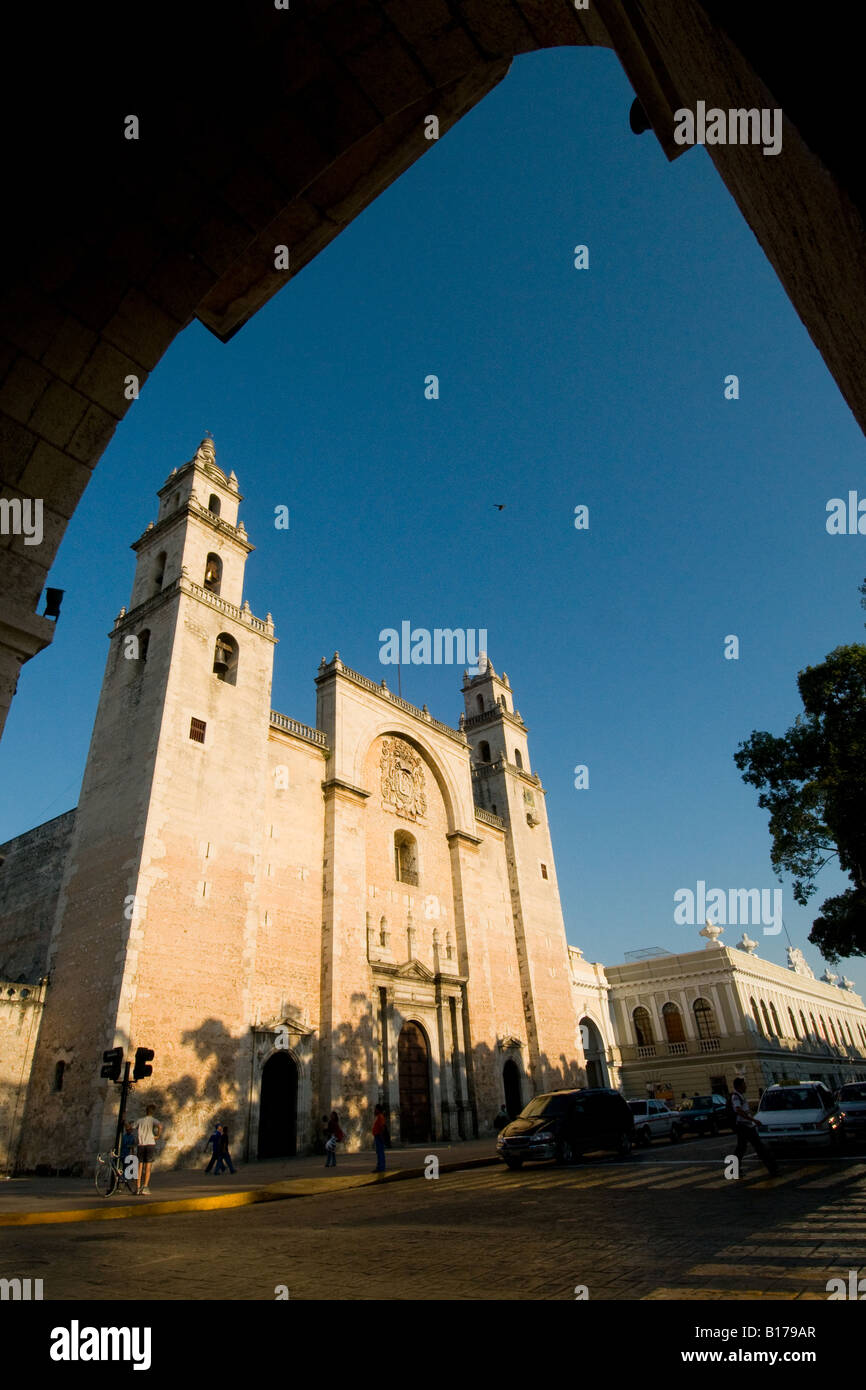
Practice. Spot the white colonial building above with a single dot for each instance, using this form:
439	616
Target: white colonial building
668	1024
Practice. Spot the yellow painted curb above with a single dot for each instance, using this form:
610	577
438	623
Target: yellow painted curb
274	1192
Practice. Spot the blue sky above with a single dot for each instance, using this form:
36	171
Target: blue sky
557	387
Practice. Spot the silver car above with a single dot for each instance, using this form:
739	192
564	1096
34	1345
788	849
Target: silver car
653	1119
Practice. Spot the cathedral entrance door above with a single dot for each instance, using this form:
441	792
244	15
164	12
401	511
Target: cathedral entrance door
511	1084
414	1069
278	1107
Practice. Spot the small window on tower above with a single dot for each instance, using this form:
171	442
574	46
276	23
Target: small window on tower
544	871
59	1069
143	643
196	730
214	504
518	757
484	751
213	573
480	704
159	572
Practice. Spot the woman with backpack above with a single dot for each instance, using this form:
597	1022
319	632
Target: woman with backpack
335	1137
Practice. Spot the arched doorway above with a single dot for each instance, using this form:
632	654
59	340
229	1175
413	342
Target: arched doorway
278	1107
413	1063
593	1051
513	1091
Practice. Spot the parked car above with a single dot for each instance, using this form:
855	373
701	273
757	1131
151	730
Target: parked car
802	1112
704	1114
654	1119
851	1100
562	1125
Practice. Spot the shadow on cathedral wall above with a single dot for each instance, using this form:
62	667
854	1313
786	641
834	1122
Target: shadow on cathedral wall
424	1101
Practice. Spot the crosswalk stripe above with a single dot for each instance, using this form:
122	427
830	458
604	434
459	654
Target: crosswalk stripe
669	1295
835	1178
784	1178
648	1179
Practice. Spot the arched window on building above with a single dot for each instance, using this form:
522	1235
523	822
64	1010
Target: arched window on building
673	1021
479	704
213	573
833	1030
225	659
59	1069
705	1018
815	1033
518	757
159	572
214	504
862	1033
143	643
769	1026
405	857
643	1029
484	751
824	1034
850	1034
777	1027
805	1029
795	1032
756	1015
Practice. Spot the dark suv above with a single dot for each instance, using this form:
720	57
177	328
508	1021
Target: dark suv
565	1124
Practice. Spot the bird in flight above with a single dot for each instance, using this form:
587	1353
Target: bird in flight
500	506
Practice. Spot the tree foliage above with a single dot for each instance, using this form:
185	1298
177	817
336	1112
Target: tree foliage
812	781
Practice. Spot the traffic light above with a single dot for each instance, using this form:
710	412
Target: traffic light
112	1064
141	1069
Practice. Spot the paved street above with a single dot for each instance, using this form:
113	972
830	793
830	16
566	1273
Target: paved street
664	1225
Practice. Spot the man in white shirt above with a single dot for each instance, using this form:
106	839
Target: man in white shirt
148	1131
746	1129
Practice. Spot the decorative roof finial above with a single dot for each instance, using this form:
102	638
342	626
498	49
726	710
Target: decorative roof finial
712	931
205	452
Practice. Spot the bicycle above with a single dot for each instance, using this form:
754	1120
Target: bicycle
110	1174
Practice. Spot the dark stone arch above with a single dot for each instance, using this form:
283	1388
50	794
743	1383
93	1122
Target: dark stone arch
318	112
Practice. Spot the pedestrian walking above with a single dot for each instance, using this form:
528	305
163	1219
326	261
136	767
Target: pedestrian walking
224	1158
746	1130
215	1142
379	1138
335	1137
148	1131
501	1118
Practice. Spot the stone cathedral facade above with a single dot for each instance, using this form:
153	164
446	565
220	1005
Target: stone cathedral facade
294	918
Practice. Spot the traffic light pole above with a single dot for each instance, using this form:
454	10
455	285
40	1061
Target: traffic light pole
124	1094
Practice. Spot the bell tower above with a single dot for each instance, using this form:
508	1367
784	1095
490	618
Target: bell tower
504	783
154	940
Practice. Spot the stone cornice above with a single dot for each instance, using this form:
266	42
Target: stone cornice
192	507
492	716
264	627
336	784
453	836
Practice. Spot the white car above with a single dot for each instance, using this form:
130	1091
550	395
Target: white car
803	1112
653	1119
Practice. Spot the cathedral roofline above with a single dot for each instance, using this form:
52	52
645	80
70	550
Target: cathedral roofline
329	670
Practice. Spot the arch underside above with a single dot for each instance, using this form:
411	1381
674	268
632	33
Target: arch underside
281	131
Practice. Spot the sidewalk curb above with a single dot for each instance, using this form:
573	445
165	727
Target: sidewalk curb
284	1190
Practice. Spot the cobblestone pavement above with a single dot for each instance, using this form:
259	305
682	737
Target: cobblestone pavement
663	1225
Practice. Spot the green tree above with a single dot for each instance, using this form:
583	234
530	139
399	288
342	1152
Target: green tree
813	783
